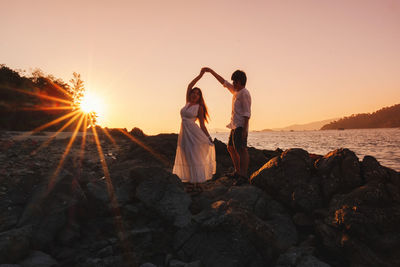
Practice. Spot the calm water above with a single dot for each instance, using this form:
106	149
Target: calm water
383	144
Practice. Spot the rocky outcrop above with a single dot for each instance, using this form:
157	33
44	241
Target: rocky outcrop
291	179
353	207
339	171
164	192
298	209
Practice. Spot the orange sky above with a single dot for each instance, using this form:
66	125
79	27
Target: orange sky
305	60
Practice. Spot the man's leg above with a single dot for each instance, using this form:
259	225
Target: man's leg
240	146
235	158
232	152
243	161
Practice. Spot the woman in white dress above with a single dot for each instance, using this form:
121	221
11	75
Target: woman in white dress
195	152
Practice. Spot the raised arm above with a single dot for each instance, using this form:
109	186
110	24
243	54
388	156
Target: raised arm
192	83
220	79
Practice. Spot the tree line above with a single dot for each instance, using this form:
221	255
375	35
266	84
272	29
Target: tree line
29	101
387	117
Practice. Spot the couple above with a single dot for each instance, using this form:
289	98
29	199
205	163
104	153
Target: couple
195	153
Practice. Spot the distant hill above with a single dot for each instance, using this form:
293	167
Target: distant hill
316	125
388	117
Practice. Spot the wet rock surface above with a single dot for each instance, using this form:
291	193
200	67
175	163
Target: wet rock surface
128	209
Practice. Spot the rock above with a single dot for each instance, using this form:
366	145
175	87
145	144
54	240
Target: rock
223	160
299	257
257	158
194	264
158	150
48	208
15	244
360	254
256	201
98	190
331	241
47	229
369	217
8	215
137	132
69	234
227	235
370	213
163	192
311	261
346	212
104	262
374	172
114	132
176	263
301	219
339	171
289	179
38	259
105	252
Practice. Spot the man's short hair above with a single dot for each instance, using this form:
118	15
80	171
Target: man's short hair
240	77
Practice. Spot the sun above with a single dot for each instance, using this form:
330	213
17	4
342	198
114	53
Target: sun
91	103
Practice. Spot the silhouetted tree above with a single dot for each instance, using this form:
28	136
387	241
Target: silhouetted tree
77	91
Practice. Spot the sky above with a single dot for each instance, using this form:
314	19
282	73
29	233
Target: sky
306	60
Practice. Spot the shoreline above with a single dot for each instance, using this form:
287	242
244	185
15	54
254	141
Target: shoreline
312	141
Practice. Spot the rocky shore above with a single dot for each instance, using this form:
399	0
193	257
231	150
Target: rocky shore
299	209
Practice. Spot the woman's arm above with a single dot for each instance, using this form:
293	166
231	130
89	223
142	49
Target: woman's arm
192	83
220	79
203	127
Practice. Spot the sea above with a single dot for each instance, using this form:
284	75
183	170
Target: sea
383	144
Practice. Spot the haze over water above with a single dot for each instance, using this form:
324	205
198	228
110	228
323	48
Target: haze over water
383	144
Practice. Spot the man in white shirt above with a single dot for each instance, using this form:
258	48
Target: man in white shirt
239	124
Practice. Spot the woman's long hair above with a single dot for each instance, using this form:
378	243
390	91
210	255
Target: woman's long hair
202	103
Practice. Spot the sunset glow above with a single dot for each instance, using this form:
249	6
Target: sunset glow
306	60
91	103
108	158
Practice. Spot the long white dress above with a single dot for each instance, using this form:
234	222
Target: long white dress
195	154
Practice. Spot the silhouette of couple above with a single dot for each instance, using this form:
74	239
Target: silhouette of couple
195	153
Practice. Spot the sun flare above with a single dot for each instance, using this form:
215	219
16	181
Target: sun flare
91	103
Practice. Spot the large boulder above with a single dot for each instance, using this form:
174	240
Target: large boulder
158	150
15	244
39	259
257	202
374	172
162	192
227	236
300	257
369	216
289	178
339	172
48	209
235	226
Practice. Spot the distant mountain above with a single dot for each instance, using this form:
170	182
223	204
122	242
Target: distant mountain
387	117
316	125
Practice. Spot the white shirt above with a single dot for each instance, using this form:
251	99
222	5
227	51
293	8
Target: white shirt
241	104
